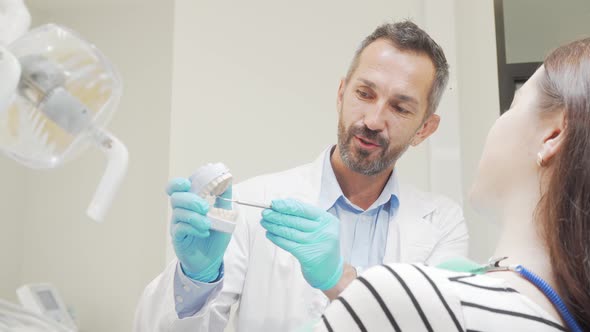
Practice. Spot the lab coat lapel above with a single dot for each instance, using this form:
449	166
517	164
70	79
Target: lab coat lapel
411	235
315	178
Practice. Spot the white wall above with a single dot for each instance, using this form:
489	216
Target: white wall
479	106
12	204
255	82
533	28
444	148
101	269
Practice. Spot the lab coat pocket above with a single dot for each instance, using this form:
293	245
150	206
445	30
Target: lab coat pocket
417	242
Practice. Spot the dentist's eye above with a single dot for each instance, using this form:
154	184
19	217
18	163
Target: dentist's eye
363	94
401	110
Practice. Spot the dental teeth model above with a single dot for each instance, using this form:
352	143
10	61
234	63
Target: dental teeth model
210	181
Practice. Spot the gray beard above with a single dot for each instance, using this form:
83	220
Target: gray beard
359	163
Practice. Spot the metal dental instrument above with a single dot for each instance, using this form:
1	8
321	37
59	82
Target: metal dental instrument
252	204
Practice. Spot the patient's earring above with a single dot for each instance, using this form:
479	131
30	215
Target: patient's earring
540	160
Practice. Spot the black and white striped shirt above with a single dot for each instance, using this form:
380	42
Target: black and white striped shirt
414	297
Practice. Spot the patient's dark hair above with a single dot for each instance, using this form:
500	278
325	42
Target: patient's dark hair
564	209
407	36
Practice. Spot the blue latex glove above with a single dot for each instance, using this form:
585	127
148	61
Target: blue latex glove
311	235
198	248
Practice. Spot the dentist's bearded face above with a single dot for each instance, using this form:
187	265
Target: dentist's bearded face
382	107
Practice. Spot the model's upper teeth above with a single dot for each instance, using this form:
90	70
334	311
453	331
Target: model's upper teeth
229	215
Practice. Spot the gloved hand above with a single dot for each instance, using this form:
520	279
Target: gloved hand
198	248
311	235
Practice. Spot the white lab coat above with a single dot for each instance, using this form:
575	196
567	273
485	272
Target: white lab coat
268	281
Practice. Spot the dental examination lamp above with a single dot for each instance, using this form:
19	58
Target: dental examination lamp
57	94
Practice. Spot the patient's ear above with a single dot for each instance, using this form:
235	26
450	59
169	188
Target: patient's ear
553	139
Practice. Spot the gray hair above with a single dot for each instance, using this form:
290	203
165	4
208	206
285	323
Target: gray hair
407	36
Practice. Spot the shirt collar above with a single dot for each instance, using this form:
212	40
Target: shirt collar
330	190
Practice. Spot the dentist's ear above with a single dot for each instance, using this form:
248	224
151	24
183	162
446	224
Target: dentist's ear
340	94
552	140
428	128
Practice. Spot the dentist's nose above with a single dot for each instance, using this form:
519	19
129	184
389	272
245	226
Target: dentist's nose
375	118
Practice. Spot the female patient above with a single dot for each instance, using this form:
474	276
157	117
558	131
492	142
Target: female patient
535	176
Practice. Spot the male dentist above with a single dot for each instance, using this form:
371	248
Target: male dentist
330	219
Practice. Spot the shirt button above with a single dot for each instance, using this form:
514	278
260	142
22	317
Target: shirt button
186	288
179	299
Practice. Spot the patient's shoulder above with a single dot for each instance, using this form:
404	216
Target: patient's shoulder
417	297
399	296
